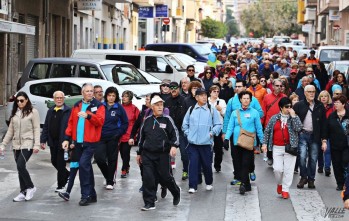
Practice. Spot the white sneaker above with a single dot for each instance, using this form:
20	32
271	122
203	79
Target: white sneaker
209	187
109	187
60	190
191	190
19	198
30	193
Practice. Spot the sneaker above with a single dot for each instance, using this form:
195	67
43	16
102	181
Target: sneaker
327	172
279	189
148	207
339	188
109	187
64	196
128	170
184	175
311	184
253	176
295	171
235	182
270	162
60	190
177	199
320	170
242	189
123	174
209	187
173	164
192	190
19	198
163	192
30	193
285	195
84	202
302	182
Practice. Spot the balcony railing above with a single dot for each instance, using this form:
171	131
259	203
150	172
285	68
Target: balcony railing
326	5
310	3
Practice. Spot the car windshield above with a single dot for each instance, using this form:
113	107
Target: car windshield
202	49
123	75
342	67
328	55
175	63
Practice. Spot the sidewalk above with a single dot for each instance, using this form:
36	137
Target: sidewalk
3	126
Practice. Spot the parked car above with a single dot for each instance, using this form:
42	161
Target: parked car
40	92
281	39
121	73
187	60
342	66
330	53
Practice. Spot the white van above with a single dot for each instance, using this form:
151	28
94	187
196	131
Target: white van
330	53
162	65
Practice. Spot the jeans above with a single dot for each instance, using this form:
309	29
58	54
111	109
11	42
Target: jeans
308	150
21	158
183	144
87	180
325	157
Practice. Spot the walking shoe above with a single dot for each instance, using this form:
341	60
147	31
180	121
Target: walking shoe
92	199
163	192
339	188
242	189
148	207
270	162
109	187
30	193
123	174
184	175
84	202
173	164
285	195
19	198
320	170
295	171
218	170
209	187
253	176
248	188
64	196
141	189
128	170
192	190
302	182
327	172
311	184
177	199
279	189
60	190
235	182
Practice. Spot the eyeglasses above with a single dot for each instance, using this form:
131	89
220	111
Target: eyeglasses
311	92
165	85
98	92
173	88
337	93
190	70
278	85
20	100
288	106
208	72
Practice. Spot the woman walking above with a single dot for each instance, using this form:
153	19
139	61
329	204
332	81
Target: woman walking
24	132
282	130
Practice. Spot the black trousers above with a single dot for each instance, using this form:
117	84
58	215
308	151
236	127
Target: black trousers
21	158
218	151
106	156
125	150
57	160
234	154
157	165
340	169
244	160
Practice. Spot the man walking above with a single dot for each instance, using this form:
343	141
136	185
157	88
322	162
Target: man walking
84	129
53	133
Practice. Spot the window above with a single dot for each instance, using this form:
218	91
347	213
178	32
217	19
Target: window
39	71
70	89
133	59
155	64
89	72
123	74
62	70
45	89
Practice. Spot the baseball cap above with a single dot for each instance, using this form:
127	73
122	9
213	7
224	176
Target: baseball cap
174	84
156	99
293	71
165	81
200	91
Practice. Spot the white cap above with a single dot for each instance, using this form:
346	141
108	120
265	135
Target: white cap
156	99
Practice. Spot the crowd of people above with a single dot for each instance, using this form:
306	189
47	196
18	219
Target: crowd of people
250	98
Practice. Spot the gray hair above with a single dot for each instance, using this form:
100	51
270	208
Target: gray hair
86	85
309	86
277	80
185	78
57	92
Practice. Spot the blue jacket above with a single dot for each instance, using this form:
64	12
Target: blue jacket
316	82
116	121
234	104
250	120
200	124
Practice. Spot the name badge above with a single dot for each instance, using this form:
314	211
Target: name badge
247	115
112	113
162	125
93	109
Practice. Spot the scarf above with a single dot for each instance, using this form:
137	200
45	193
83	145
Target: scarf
283	120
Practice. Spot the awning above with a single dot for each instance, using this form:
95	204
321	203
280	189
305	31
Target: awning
17	28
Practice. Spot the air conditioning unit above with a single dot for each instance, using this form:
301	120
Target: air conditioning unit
310	14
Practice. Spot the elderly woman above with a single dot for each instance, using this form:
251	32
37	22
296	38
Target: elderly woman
282	130
338	131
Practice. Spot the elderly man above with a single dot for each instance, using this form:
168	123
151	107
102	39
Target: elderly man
158	141
300	90
53	133
84	129
98	92
284	70
313	116
185	87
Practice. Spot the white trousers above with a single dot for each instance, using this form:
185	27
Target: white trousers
283	165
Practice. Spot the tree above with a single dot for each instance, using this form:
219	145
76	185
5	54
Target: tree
230	23
271	17
212	29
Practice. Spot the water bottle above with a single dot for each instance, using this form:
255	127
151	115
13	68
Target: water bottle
66	156
265	157
2	155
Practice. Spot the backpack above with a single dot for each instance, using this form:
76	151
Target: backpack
208	105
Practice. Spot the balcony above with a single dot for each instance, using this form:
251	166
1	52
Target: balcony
144	3
159	2
310	3
343	5
326	5
310	14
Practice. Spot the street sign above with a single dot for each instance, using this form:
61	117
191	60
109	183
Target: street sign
161	11
166	21
146	12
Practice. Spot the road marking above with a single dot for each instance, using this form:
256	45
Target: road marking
240	207
9	185
307	205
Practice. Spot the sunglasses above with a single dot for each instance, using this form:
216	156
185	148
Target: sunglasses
20	100
208	72
190	70
288	106
165	85
262	80
173	88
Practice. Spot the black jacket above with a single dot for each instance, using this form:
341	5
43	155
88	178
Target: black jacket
188	102
45	135
225	92
336	132
177	111
158	135
319	117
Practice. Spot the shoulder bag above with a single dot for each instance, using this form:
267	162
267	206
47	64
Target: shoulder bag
288	148
245	139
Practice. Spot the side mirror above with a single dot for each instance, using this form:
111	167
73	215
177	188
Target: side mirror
168	69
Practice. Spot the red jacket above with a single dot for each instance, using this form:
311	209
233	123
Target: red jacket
93	123
270	107
132	115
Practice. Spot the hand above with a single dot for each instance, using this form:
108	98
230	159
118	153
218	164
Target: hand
346	204
35	150
292	113
72	146
43	146
223	136
131	142
264	148
226	144
82	114
173	151
324	146
139	160
211	135
219	108
65	144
